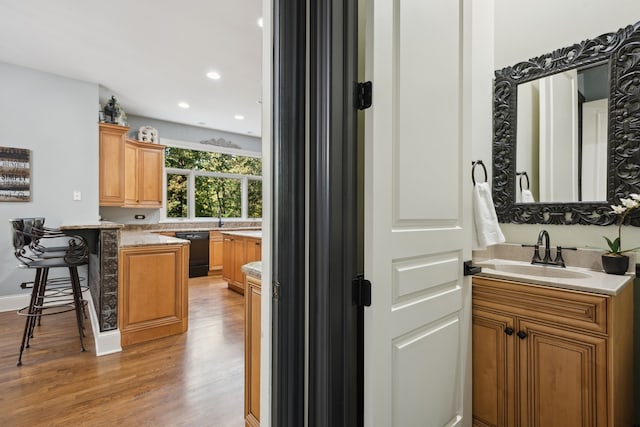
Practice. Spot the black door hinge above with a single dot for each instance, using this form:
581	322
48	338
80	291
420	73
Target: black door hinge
361	291
470	269
363	95
275	290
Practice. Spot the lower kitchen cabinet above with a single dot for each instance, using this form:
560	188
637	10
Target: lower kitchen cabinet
549	357
216	245
238	250
153	292
252	297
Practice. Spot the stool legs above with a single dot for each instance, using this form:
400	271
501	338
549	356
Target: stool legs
79	305
36	304
28	324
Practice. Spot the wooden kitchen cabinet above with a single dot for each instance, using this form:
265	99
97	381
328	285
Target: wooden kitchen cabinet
551	357
228	258
252	297
152	292
130	172
111	164
143	174
238	250
216	248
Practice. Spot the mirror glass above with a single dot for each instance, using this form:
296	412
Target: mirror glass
566	127
561	136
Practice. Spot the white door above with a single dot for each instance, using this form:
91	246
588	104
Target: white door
417	214
559	137
594	150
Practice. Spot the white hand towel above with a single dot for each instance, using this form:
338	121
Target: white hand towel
527	197
484	214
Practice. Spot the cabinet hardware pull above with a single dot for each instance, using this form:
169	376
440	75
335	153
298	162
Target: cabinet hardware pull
508	330
522	335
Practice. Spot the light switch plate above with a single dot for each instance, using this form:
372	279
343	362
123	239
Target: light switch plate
77	195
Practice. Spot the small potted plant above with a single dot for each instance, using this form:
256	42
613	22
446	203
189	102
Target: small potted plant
615	261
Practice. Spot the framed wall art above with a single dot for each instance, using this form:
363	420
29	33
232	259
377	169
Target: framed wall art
15	174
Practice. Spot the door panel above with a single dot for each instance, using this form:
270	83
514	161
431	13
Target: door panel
493	369
563	377
416	217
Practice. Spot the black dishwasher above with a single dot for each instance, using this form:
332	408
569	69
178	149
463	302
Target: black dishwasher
198	252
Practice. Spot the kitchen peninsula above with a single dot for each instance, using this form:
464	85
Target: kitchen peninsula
153	286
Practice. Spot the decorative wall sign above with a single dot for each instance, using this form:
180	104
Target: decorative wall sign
15	174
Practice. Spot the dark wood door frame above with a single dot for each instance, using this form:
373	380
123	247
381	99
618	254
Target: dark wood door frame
320	129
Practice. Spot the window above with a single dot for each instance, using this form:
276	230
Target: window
203	184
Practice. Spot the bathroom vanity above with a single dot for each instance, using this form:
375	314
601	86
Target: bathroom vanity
551	351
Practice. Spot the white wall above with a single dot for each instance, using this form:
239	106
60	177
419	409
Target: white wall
525	29
56	118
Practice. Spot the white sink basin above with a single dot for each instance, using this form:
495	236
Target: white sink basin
538	270
581	279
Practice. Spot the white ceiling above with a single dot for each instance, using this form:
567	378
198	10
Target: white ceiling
149	54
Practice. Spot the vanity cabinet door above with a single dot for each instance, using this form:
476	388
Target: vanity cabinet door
563	376
494	373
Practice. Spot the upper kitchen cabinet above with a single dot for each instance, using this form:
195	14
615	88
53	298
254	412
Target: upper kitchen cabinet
112	164
143	174
130	171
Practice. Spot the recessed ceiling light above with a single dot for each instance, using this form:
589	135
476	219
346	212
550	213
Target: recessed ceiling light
238	117
214	75
183	105
260	22
201	123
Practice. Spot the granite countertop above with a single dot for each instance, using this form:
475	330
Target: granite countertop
92	226
223	230
253	269
256	234
137	238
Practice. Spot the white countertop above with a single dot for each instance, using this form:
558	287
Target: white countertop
583	279
142	238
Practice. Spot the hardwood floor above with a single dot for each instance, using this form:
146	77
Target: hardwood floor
194	379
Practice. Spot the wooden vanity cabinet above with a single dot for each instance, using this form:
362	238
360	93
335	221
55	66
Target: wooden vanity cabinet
152	292
551	357
252	297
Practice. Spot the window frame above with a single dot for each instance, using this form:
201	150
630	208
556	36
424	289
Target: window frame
191	179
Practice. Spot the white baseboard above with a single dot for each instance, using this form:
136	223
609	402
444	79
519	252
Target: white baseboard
106	342
14	302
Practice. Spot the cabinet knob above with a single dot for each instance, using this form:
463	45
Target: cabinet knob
522	335
508	330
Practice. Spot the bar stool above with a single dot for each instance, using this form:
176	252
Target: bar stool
55	296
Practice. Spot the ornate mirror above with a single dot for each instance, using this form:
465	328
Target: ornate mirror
566	126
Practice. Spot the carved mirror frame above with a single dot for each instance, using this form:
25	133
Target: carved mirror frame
622	51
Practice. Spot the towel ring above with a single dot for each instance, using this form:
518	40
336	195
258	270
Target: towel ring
473	170
523	174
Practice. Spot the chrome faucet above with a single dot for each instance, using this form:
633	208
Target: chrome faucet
546	260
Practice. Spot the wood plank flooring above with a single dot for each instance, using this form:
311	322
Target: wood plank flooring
194	379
